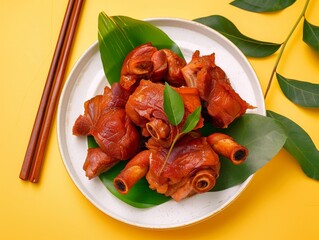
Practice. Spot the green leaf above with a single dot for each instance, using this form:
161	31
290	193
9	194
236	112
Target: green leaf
173	105
192	120
113	45
118	35
91	142
249	46
139	196
311	35
263	136
262	5
300	146
302	93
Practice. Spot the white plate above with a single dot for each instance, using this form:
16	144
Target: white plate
87	79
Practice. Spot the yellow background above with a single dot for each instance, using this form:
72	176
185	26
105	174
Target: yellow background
280	203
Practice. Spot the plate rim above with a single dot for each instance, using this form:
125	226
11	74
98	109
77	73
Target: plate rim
80	60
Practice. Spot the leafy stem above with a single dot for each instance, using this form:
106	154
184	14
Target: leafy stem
177	137
284	44
189	125
174	109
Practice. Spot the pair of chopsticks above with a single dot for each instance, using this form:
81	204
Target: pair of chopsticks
36	147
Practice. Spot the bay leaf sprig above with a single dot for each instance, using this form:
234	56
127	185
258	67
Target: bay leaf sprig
301	16
175	110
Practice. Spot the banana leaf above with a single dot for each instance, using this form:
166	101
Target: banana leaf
118	35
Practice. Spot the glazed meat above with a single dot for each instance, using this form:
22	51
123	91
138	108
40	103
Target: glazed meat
106	120
97	162
145	108
128	122
146	62
96	106
223	103
134	170
226	146
174	75
192	167
116	135
92	111
136	66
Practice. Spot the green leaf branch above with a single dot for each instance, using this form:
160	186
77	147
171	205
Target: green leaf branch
284	44
302	93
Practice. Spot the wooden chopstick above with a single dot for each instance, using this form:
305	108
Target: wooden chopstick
54	96
28	159
35	152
